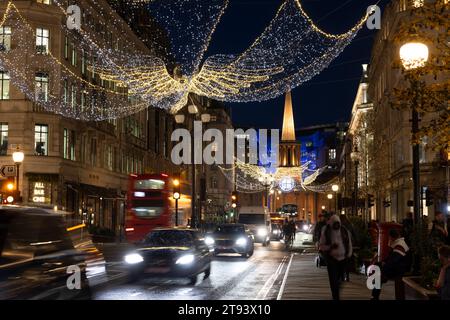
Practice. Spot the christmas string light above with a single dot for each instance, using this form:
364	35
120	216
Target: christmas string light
290	51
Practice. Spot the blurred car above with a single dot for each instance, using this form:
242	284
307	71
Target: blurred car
170	252
231	238
41	251
277	232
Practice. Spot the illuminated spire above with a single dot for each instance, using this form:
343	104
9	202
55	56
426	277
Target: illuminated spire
288	133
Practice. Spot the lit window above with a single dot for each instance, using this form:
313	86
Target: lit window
43	1
66	91
332	154
4	85
3	138
73	101
69	144
66	48
5	38
42	40
74	55
418	3
41	139
41	81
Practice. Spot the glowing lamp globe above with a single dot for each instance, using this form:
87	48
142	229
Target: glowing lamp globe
335	188
18	156
413	55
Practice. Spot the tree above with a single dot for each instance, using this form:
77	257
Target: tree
428	22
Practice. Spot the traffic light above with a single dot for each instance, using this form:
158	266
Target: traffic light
370	200
176	183
234	199
428	198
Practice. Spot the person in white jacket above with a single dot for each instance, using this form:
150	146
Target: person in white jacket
336	245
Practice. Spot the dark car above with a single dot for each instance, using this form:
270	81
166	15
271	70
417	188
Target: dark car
277	232
43	254
231	238
170	252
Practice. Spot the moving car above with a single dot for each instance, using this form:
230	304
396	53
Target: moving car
40	249
257	219
170	252
231	238
277	232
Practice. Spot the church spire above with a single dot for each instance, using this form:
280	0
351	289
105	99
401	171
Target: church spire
288	132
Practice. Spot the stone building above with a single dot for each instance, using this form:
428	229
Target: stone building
80	166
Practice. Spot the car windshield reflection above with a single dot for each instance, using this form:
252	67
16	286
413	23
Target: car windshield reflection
169	238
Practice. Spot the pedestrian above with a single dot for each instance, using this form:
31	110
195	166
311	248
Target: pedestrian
318	228
439	234
336	244
397	263
408	225
350	262
443	282
292	228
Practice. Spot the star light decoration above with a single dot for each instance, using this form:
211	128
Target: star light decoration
290	51
251	178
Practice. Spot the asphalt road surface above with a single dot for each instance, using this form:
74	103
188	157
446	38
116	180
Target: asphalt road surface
232	277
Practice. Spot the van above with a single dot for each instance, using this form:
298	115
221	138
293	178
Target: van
257	220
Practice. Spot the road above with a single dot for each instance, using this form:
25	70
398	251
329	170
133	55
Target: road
232	277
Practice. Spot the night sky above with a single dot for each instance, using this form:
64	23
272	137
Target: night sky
326	98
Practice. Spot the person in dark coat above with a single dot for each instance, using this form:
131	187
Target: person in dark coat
443	282
335	243
407	229
397	263
439	234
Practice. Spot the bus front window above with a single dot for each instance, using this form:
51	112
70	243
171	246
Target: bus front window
148	208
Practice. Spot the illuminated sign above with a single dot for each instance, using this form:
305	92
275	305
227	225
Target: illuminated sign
40	192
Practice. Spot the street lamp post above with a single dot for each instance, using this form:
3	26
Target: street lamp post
335	189
193	110
329	196
18	157
414	55
176	196
355	158
266	181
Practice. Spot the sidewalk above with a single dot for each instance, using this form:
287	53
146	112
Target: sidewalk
307	282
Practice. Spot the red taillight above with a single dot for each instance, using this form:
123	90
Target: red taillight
164	175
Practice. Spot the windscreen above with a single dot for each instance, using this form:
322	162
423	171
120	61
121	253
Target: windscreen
170	238
149	184
144	208
230	229
247	218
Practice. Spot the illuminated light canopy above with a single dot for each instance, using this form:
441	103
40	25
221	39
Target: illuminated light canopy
129	78
287	184
413	55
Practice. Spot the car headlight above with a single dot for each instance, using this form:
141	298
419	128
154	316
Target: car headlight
305	227
262	232
241	242
133	258
209	241
186	259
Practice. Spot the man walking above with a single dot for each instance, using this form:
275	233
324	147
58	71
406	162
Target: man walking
335	243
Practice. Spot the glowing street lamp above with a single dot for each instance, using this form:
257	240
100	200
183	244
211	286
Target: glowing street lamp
18	157
335	189
414	55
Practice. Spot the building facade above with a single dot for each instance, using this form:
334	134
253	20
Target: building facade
79	166
388	165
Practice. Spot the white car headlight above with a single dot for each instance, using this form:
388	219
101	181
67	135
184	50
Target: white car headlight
133	258
241	242
209	241
186	259
305	227
262	232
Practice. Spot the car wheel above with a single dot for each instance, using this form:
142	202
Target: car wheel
251	252
193	280
207	273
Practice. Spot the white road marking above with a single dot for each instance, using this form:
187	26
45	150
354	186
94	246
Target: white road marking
262	294
280	293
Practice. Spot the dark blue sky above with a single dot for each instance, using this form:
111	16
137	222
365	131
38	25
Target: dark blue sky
326	98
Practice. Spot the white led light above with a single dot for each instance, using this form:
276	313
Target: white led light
186	259
133	258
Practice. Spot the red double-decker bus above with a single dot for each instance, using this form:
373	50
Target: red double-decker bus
150	205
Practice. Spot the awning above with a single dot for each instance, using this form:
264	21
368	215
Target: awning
42	177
